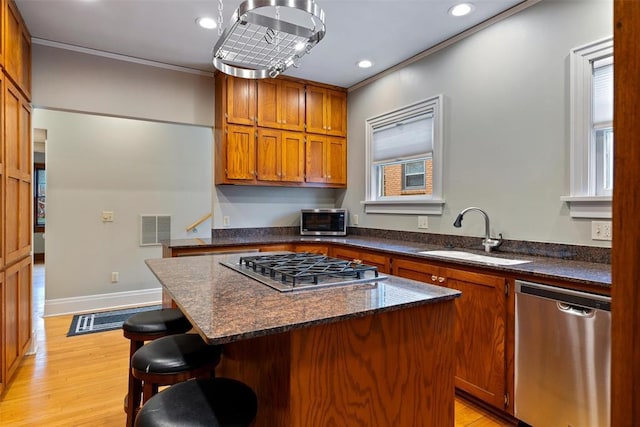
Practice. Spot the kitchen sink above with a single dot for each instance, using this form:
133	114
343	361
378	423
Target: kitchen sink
468	256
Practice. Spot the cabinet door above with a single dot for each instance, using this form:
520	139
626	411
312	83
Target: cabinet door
241	101
480	335
336	113
292	105
370	258
268	155
17	191
313	249
336	160
240	153
292	157
17	315
315	158
415	270
268	100
315	110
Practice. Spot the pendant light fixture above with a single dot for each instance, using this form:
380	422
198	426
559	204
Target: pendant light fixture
265	37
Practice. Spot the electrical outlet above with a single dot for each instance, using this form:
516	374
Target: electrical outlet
226	221
115	276
354	219
601	230
423	222
107	216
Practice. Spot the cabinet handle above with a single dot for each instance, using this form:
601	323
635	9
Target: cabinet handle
441	279
434	278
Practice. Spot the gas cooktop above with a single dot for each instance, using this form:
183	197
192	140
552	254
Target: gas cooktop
301	271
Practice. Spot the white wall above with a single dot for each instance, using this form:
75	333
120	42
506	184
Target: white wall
75	81
130	167
506	131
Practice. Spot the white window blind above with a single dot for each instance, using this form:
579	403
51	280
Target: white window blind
409	139
603	91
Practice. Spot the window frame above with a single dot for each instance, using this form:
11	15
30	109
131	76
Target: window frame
583	200
407	204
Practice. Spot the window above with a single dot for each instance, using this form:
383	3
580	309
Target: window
40	197
404	160
592	139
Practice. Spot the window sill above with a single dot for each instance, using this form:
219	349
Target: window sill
589	206
404	207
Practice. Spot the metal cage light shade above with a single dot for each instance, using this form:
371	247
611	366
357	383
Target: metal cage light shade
257	46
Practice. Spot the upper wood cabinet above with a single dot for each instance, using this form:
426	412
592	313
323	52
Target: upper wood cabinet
260	136
281	104
16	47
241	101
326	159
326	111
280	156
240	153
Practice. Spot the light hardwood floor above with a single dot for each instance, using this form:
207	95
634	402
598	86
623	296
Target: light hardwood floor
82	380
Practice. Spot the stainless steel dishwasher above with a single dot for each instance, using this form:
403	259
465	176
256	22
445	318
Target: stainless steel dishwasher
562	357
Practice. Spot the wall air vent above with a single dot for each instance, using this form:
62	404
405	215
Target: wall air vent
154	229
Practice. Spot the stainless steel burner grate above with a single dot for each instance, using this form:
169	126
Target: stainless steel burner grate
292	271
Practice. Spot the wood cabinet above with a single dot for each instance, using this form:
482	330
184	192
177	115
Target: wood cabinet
326	111
260	136
240	101
240	153
326	159
15	190
280	156
382	261
17	171
481	320
16	49
281	104
312	249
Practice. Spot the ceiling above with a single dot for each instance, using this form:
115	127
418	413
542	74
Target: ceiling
385	31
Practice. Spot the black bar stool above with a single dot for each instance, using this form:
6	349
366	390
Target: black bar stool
148	326
173	359
218	402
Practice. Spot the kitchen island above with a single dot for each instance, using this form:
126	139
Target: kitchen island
367	354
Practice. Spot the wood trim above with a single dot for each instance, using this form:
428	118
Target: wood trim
625	369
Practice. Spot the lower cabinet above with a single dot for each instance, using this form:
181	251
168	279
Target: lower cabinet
480	331
16	320
367	257
312	249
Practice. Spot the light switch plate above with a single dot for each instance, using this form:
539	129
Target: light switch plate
107	216
423	222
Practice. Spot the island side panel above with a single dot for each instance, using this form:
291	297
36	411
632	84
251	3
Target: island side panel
390	369
264	364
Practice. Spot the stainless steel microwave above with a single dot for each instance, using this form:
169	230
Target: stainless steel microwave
323	222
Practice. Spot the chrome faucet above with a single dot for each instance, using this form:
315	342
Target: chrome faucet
488	242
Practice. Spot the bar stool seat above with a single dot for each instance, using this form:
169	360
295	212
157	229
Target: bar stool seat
172	359
148	326
218	402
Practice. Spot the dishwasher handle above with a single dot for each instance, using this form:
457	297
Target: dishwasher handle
575	310
569	297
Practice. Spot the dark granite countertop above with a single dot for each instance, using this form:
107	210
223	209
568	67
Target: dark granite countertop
541	267
226	306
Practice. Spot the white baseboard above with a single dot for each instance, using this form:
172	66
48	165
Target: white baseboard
102	302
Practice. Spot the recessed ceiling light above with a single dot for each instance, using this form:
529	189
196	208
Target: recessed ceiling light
206	22
461	9
365	63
